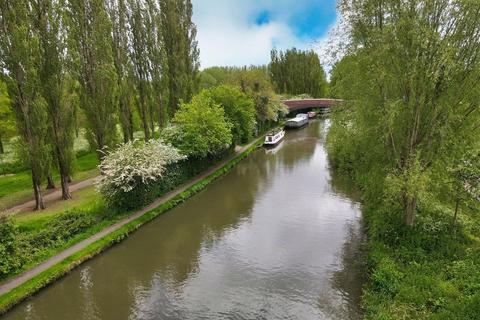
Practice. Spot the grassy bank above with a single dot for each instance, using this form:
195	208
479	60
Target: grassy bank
28	288
428	271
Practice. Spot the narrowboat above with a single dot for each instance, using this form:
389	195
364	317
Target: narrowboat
299	121
274	137
311	114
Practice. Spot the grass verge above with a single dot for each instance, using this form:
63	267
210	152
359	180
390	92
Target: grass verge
18	294
17	187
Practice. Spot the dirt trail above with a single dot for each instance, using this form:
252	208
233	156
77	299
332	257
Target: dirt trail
51	196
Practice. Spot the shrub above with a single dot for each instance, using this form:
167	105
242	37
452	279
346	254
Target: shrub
129	172
8	247
19	247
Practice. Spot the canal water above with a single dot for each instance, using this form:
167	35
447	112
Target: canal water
276	238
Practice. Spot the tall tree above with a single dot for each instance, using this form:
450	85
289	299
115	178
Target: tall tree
57	87
297	72
141	63
239	110
416	71
117	10
181	49
158	65
20	57
90	30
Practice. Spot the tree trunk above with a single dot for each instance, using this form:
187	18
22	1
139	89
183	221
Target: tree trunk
455	214
131	126
2	150
65	190
152	122
64	176
37	192
409	210
100	147
146	128
50	182
125	134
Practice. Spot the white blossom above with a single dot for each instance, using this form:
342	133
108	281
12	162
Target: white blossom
133	164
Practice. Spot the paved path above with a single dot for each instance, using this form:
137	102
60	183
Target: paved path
50	197
29	274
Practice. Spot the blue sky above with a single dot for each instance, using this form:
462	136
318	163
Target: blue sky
242	32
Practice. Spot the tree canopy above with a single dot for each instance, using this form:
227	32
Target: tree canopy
296	72
200	129
411	78
239	110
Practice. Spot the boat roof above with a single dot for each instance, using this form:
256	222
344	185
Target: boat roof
274	132
297	119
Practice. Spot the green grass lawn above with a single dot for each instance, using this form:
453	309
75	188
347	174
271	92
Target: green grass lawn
16	188
86	199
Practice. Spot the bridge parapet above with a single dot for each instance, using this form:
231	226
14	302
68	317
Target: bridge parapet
303	104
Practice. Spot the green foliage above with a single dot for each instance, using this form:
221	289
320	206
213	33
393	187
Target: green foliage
20	248
239	110
90	42
254	81
21	56
408	134
8	249
182	54
200	128
298	72
414	103
7	122
117	10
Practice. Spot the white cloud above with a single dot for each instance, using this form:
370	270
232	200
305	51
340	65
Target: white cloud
228	35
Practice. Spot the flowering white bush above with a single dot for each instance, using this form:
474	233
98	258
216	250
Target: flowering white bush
135	164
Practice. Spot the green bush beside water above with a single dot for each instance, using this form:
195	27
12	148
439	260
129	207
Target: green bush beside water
175	175
429	271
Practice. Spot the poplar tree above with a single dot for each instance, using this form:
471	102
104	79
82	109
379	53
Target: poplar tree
20	57
297	72
157	55
57	88
117	10
90	30
141	63
181	49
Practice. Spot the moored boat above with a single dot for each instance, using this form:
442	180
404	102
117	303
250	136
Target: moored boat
299	121
274	137
312	114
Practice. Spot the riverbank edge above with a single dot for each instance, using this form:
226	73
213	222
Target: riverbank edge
62	268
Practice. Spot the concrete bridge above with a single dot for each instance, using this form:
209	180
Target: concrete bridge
324	105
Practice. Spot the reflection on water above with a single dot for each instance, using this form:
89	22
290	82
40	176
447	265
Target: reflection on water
277	238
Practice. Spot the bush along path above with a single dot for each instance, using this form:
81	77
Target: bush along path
24	285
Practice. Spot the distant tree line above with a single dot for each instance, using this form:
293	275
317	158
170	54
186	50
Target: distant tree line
297	72
112	61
